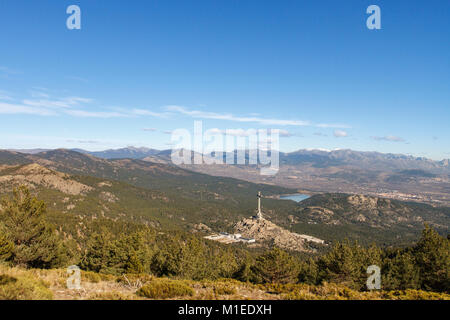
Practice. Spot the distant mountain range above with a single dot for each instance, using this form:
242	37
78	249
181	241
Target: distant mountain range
122	153
74	184
397	176
319	158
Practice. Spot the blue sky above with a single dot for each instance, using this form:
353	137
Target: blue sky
139	69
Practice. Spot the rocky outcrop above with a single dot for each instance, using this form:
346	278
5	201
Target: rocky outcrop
35	174
264	231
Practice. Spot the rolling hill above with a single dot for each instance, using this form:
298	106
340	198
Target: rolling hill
166	196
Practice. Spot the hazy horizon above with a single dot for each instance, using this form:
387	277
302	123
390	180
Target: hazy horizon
166	149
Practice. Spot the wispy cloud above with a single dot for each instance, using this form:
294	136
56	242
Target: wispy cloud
11	108
83	141
232	132
77	79
245	133
95	114
43	104
252	119
332	125
39	94
389	138
149	129
287	134
340	133
4	95
145	112
230	117
320	134
8	71
67	102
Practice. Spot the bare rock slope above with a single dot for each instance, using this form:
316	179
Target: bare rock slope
35	174
264	231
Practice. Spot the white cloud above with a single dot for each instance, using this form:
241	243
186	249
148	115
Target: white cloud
389	138
77	79
285	133
144	112
10	108
245	133
67	102
332	125
254	119
83	141
340	133
8	71
230	117
238	132
149	129
95	114
5	96
39	94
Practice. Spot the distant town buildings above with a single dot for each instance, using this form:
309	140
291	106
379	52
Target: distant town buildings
225	237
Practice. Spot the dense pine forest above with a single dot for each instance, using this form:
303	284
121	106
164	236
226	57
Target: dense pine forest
159	263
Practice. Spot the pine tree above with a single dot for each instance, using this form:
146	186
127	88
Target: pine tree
6	245
99	252
36	243
347	264
244	273
308	272
276	266
399	272
432	253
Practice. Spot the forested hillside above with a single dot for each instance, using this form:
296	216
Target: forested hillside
76	185
110	250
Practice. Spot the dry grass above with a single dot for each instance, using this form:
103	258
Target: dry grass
166	289
17	283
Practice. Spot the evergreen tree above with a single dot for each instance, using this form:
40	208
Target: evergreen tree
347	264
244	271
308	272
6	245
99	255
432	255
275	266
36	243
399	271
137	252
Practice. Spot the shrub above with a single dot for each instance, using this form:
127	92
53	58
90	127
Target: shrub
164	289
90	276
135	279
414	295
112	295
223	288
23	288
5	279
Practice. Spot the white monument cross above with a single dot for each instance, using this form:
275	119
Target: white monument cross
259	214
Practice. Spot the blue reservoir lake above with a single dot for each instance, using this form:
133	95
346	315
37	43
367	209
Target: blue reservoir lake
295	197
